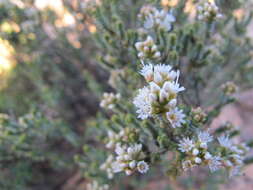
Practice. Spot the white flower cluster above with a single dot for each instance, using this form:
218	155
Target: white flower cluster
95	186
197	152
147	49
232	155
156	19
129	155
208	11
129	159
109	100
160	96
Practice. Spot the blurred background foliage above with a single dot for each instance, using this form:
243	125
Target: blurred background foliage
51	81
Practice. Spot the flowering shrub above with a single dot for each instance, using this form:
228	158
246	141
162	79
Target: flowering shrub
171	113
125	92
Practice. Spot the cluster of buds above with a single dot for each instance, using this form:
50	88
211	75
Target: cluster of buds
229	88
148	49
130	159
208	11
160	96
232	155
156	19
95	186
198	115
196	152
109	100
129	155
126	135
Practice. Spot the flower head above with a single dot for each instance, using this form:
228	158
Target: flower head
176	117
186	145
225	141
143	103
204	137
214	163
142	167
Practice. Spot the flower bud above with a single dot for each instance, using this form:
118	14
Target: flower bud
197	160
132	164
195	152
157	54
203	145
207	156
173	103
128	172
138	45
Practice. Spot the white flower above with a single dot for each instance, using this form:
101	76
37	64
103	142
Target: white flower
148	72
186	145
142	167
163	69
225	141
172	87
176	117
197	160
204	137
132	164
143	102
166	72
214	162
159	19
134	150
195	152
120	150
207	156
